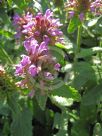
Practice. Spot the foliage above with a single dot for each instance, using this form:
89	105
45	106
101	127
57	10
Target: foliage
71	105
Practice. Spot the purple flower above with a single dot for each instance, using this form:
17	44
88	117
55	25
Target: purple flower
48	75
92	9
31	45
71	14
57	66
18	35
28	17
21	83
40	27
33	70
28	27
16	19
37	33
81	7
46	39
25	60
81	16
48	14
43	49
56	22
19	70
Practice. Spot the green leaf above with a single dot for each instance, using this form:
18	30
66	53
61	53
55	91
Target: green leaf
62	101
57	52
38	113
73	24
84	75
9	2
92	22
3	16
57	120
44	5
6	34
21	4
66	92
41	99
87	30
4	109
94	96
79	129
89	52
97	130
13	103
59	45
22	124
61	123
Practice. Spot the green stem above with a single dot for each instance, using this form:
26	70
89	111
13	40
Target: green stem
77	50
79	38
6	55
78	42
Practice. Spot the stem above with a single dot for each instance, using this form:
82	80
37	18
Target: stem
79	38
78	45
6	55
78	42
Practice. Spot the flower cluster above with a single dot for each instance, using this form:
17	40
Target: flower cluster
40	27
80	7
38	67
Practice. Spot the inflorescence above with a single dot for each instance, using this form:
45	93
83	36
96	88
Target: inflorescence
81	7
37	32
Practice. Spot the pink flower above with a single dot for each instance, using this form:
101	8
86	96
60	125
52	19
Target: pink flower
81	16
39	27
25	60
57	66
16	19
81	7
48	14
33	70
43	49
48	75
71	14
31	45
38	32
19	70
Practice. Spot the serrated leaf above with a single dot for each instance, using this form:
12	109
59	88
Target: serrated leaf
67	92
62	101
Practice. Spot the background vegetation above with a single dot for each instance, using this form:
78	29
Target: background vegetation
74	109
